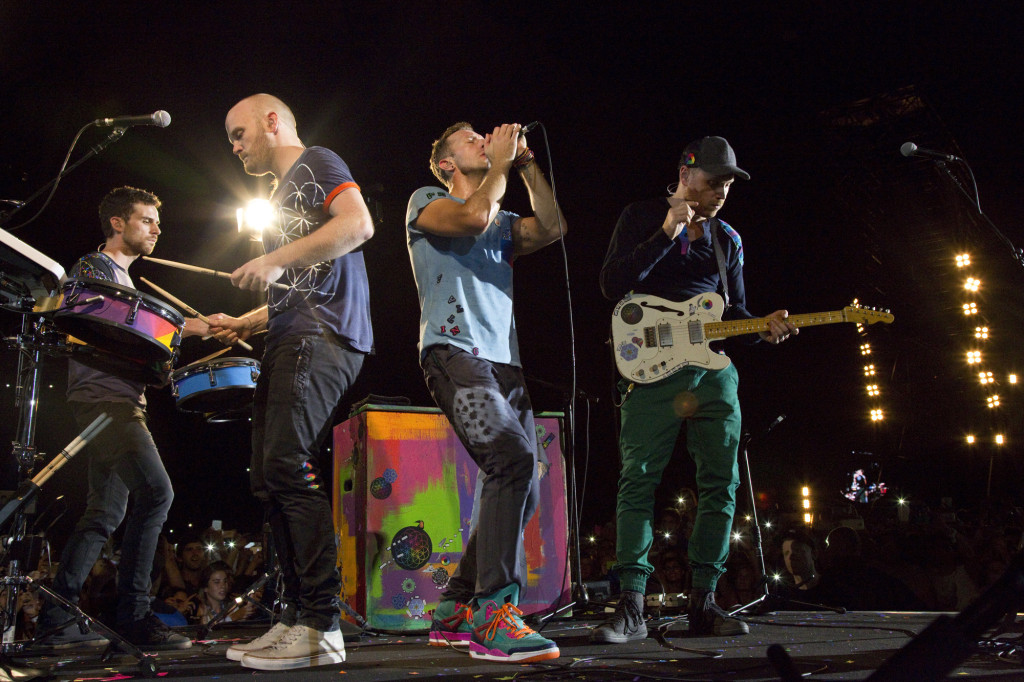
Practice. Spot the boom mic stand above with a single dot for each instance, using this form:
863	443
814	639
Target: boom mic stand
767	599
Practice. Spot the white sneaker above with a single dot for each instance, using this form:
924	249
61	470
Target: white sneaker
271	636
301	647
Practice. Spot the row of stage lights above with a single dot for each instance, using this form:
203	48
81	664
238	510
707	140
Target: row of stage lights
974	356
871	386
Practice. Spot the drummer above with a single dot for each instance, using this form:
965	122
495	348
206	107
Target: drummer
123	460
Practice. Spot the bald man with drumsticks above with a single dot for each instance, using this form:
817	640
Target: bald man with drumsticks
318	334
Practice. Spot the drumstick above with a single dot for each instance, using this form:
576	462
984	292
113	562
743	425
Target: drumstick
204	271
187	308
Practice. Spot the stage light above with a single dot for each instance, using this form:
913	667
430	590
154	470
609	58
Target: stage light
869	370
985	377
963	260
592	539
231	544
877	415
256	216
808	518
667	535
973	357
210	547
805	491
737	537
970	439
981	333
1012	378
972	284
970	308
873	389
1000	440
865	349
748	518
901	501
807	503
767	524
776	577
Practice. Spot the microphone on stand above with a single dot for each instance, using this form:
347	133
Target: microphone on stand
160	119
911	149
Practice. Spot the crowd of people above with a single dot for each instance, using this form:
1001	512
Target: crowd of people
888	556
195	582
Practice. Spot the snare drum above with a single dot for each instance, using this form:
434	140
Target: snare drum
218	387
119	320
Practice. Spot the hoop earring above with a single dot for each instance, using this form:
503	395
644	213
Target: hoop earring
672	187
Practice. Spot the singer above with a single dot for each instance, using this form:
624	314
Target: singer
123	459
676	248
318	335
462	246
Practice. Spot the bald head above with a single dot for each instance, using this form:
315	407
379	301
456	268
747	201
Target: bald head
258	107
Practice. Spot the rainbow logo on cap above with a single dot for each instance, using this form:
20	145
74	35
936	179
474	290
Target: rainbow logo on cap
690	159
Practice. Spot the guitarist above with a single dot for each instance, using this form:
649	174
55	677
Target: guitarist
664	247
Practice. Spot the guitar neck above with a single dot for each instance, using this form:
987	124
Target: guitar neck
723	330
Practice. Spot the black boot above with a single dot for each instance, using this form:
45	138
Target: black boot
708	618
626	624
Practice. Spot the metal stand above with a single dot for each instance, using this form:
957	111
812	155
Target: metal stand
767	600
578	589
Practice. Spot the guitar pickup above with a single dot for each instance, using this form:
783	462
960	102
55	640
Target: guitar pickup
696	330
650	340
664	334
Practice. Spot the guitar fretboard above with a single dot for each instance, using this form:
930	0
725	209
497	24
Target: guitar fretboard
722	330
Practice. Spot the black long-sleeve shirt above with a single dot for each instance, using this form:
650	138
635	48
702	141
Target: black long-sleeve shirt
642	259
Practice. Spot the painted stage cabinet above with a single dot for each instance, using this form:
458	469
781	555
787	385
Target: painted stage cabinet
403	503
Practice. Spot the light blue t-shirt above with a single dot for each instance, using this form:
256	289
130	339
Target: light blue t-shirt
464	284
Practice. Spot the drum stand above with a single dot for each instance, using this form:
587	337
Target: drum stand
15	511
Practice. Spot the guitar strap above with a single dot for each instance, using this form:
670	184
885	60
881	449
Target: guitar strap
720	257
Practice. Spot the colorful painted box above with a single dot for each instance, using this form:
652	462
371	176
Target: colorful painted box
403	500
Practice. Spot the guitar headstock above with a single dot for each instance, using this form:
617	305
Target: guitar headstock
859	314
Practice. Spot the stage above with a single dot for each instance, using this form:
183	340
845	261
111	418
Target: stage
822	646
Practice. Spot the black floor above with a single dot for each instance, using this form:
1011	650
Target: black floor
821	646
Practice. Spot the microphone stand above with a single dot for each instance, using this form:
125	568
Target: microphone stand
579	594
110	139
769	600
975	202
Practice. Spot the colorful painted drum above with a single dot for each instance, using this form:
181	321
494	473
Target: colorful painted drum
119	320
221	388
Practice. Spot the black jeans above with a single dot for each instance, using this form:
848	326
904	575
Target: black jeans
123	463
302	380
489	408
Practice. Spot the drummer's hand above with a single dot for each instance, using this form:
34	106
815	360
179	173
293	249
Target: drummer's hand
227	329
195	327
256	275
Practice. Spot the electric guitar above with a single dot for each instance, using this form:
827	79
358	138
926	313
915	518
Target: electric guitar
653	337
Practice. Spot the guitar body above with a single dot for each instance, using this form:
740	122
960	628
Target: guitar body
653	337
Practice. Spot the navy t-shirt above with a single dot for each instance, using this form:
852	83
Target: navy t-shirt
329	297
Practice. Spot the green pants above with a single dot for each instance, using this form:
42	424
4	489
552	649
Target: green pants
652	415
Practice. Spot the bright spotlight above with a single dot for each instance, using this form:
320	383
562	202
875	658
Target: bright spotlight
256	216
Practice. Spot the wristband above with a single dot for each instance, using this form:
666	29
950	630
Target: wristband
523	159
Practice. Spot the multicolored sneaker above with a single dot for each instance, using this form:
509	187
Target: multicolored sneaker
452	624
499	633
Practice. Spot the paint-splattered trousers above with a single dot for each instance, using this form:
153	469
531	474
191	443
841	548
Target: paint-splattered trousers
489	408
651	417
302	380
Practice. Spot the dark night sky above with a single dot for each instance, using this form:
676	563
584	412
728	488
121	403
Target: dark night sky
620	91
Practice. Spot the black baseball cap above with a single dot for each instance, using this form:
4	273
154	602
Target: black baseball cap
712	155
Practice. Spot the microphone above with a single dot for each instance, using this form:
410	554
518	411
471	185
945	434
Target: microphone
160	119
528	127
911	149
778	420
